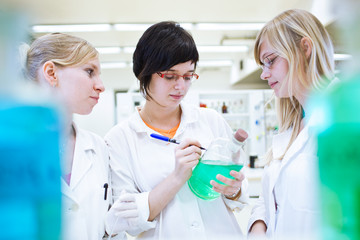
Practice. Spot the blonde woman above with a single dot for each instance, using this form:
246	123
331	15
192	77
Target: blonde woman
70	67
296	55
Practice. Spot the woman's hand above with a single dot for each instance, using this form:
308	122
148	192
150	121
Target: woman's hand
187	155
123	215
232	189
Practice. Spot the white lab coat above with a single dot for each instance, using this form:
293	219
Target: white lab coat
292	184
84	207
139	163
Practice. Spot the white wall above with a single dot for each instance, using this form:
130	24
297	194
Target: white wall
102	117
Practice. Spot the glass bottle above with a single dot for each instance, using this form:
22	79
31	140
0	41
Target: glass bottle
338	136
30	196
339	160
222	156
224	108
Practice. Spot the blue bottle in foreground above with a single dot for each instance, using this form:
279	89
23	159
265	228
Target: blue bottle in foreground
30	197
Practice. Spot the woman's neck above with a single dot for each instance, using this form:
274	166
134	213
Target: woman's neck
159	116
68	148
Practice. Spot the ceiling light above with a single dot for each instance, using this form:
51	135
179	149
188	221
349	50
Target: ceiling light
342	57
214	49
208	49
72	28
237	41
229	26
144	27
131	27
113	65
108	50
215	63
187	26
130	50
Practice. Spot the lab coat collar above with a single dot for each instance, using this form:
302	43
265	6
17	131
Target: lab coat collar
66	190
300	141
86	142
82	163
189	115
281	141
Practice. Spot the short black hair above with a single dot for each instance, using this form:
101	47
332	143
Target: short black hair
162	46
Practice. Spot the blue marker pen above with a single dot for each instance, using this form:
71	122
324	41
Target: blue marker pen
167	139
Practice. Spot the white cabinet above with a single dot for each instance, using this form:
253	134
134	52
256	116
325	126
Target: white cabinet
243	109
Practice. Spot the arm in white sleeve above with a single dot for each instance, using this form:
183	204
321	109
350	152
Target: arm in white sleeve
257	213
142	224
121	179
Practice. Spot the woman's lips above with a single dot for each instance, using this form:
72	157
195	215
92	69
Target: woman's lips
95	98
176	96
272	84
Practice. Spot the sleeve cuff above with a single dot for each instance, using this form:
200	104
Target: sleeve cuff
242	201
253	220
142	202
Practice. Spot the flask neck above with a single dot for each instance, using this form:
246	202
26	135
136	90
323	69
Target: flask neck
237	143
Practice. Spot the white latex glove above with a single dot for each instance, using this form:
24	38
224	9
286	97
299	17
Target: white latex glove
122	215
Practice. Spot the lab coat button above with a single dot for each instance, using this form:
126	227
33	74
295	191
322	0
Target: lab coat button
195	224
75	207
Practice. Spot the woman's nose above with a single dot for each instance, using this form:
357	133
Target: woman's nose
180	83
265	74
99	86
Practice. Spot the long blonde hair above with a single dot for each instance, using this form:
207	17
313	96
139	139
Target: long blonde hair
62	49
284	33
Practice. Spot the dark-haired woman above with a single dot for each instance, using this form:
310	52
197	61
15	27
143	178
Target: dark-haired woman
156	172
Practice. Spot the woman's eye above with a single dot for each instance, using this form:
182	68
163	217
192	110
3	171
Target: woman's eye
188	77
169	77
90	72
267	62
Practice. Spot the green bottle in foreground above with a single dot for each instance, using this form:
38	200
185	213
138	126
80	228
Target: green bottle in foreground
339	160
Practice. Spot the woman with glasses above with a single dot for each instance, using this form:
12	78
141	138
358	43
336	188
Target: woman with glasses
295	53
154	173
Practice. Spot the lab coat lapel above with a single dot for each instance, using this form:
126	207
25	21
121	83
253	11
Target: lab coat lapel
297	145
66	190
82	159
137	124
188	116
271	201
279	144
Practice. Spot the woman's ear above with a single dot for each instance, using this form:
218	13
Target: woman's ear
49	71
306	46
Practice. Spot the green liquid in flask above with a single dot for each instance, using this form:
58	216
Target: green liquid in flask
204	172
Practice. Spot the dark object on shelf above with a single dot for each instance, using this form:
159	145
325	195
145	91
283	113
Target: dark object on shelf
224	108
252	161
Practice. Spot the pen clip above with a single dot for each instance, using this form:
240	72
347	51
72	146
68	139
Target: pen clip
105	192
